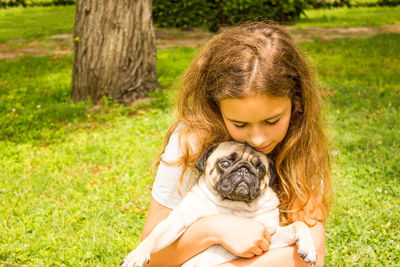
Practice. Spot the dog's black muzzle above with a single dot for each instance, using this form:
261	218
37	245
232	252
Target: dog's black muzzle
240	184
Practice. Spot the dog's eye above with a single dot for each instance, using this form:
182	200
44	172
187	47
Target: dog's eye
224	164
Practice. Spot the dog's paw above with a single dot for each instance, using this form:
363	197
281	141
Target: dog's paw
307	252
136	259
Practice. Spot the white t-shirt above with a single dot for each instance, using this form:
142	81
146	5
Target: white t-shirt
165	186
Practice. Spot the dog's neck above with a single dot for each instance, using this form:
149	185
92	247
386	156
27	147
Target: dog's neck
268	200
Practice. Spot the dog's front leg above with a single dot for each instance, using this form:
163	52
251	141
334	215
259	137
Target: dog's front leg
166	232
296	233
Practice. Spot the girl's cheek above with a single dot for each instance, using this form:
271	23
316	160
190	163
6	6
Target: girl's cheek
237	134
281	130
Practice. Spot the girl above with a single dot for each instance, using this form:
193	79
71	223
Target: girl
250	84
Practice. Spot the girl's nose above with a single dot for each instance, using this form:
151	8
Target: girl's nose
257	138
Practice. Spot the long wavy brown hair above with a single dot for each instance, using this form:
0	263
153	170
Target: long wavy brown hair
243	61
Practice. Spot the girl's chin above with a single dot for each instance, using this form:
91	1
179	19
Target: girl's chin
267	149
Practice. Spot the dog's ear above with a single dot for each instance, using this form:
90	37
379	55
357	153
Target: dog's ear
273	174
202	159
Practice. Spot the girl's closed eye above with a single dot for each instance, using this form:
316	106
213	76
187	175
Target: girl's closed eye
268	122
273	122
241	125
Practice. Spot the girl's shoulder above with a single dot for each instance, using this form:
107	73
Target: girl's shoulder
180	140
170	173
172	150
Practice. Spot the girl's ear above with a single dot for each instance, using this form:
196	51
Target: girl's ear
273	175
202	159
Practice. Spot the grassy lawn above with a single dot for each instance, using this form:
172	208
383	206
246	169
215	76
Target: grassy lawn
363	74
350	17
75	184
31	23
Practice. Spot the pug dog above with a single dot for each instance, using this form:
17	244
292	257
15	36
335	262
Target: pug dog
234	179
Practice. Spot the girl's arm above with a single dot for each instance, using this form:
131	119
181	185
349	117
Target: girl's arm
287	256
221	229
192	242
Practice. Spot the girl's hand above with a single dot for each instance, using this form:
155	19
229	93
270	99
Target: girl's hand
242	236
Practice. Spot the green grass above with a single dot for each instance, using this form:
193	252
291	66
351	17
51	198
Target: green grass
34	22
350	17
363	73
75	184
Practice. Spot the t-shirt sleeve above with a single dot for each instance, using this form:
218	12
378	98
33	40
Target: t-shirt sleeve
165	186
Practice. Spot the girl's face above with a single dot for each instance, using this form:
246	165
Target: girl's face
260	121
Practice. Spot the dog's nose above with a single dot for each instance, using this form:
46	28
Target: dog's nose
243	170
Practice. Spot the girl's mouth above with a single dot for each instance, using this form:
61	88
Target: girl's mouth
262	148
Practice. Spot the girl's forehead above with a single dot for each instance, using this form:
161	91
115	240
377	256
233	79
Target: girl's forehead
255	108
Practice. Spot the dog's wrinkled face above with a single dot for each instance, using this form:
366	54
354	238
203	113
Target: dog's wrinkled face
235	171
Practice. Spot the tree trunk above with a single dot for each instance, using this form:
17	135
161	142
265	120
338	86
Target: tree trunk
115	52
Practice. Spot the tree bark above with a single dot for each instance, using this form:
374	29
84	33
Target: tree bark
115	52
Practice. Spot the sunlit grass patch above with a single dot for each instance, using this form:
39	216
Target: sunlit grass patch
350	17
34	22
362	75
